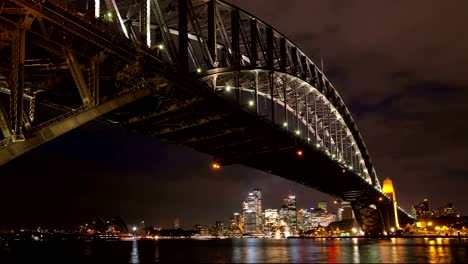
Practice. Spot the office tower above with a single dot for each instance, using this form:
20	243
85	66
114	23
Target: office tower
422	209
290	202
270	219
345	211
252	212
323	206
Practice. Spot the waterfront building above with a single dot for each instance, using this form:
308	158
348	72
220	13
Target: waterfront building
303	220
290	202
422	209
446	210
283	213
252	212
235	226
345	211
322	205
271	218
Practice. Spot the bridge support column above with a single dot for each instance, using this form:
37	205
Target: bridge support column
256	92
183	35
391	211
17	82
169	45
78	77
93	81
145	22
112	6
368	217
272	94
253	42
4	124
212	32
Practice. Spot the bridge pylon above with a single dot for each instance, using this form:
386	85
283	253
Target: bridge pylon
390	212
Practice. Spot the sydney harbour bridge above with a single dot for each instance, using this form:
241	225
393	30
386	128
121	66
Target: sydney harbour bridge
199	73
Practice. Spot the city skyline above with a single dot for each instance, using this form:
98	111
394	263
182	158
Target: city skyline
386	80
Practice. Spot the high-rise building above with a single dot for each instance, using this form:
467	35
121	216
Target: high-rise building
283	213
290	202
422	209
235	225
252	212
446	210
322	205
271	217
345	211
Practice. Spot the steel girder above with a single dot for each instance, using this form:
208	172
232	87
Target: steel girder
215	36
299	109
62	46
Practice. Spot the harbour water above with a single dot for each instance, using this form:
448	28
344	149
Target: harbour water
251	250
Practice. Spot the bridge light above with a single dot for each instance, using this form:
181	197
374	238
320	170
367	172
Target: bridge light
299	153
308	139
318	145
344	171
354	230
392	229
333	155
298	132
109	14
380	199
199	70
228	88
216	166
160	46
350	167
251	102
335	202
285	124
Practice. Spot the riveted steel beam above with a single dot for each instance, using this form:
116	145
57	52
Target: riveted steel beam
78	76
235	44
212	32
17	81
183	35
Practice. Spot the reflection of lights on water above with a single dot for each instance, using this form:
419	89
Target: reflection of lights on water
134	253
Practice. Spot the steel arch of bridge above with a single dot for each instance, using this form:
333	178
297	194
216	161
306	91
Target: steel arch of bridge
230	49
233	50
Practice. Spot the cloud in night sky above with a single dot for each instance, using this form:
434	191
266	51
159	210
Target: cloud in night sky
400	66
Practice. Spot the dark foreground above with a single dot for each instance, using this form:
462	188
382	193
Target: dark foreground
348	250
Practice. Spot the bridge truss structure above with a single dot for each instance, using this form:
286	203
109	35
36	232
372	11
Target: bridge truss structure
70	62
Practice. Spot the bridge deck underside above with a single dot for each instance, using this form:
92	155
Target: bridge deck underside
234	136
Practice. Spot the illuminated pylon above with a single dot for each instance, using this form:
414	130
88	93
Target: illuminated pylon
390	191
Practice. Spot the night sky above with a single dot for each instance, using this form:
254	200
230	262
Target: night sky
400	66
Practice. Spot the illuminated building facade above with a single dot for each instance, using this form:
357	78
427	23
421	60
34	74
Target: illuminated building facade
271	218
290	202
322	205
252	212
446	210
422	209
345	211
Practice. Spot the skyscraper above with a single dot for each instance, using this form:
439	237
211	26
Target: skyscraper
252	212
271	219
422	209
322	205
345	211
290	202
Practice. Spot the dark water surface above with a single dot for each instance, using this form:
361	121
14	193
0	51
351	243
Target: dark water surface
351	250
